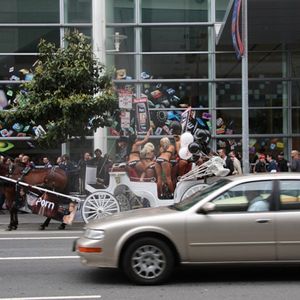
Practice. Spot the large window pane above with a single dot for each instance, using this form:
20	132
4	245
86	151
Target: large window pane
175	39
174	11
26	39
267	64
296	120
127	41
124	65
8	93
229	94
176	66
16	67
266	121
295	64
267	93
119	11
229	121
296	93
78	11
227	66
176	95
221	6
29	11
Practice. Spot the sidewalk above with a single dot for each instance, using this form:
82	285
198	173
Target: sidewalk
28	221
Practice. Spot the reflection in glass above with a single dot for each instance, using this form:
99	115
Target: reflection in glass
29	11
230	144
229	94
26	39
266	121
176	95
267	93
295	61
174	11
8	94
267	64
119	11
229	121
227	66
296	120
78	11
296	93
126	45
124	65
16	67
221	6
176	66
176	38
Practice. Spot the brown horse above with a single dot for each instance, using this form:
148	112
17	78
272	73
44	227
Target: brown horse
54	179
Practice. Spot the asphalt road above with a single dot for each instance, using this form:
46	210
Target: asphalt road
40	265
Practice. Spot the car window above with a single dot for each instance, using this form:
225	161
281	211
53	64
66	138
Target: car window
245	197
199	195
289	195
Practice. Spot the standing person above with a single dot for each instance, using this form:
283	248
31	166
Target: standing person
82	168
163	168
228	163
135	165
272	164
282	163
236	164
70	169
122	149
260	165
295	163
99	162
47	163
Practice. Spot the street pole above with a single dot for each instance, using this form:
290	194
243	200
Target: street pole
245	99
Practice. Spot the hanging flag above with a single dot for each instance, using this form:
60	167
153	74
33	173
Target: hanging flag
235	29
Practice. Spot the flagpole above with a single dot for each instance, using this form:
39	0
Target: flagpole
245	100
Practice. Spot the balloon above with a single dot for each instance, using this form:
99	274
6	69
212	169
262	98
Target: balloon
186	138
184	153
194	148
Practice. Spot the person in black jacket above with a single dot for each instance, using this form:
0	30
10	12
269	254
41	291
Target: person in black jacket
228	163
282	163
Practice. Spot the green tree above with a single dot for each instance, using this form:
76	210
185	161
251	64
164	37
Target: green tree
71	94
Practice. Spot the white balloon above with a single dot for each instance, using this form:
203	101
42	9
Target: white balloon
186	138
184	153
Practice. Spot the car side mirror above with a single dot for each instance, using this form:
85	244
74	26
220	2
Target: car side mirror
207	207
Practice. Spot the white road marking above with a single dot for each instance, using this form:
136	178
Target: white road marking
38	258
19	232
39	238
55	297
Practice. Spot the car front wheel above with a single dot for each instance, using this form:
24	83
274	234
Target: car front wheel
148	261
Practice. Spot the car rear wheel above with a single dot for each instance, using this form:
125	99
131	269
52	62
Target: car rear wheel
148	261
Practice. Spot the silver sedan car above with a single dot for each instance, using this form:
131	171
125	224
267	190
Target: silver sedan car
249	219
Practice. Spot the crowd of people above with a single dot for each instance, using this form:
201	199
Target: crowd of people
144	162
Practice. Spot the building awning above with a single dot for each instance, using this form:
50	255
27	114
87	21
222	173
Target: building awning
269	22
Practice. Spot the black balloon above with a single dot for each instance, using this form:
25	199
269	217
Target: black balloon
194	148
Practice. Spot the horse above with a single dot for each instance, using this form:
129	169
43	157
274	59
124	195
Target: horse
54	179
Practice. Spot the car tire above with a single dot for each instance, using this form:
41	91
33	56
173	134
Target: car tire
148	261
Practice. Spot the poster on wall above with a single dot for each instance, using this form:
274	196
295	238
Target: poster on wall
125	119
185	117
142	116
125	99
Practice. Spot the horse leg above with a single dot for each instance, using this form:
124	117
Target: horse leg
13	224
45	224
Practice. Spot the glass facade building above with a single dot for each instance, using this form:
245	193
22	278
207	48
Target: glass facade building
170	55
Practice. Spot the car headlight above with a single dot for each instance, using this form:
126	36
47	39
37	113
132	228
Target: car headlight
94	234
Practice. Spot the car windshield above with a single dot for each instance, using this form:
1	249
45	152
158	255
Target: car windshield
195	198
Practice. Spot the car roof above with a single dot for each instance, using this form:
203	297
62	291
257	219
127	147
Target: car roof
265	176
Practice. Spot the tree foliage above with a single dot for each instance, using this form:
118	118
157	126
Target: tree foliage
71	94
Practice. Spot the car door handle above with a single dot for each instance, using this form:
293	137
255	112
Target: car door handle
263	220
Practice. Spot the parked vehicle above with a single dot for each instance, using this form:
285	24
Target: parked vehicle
222	223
